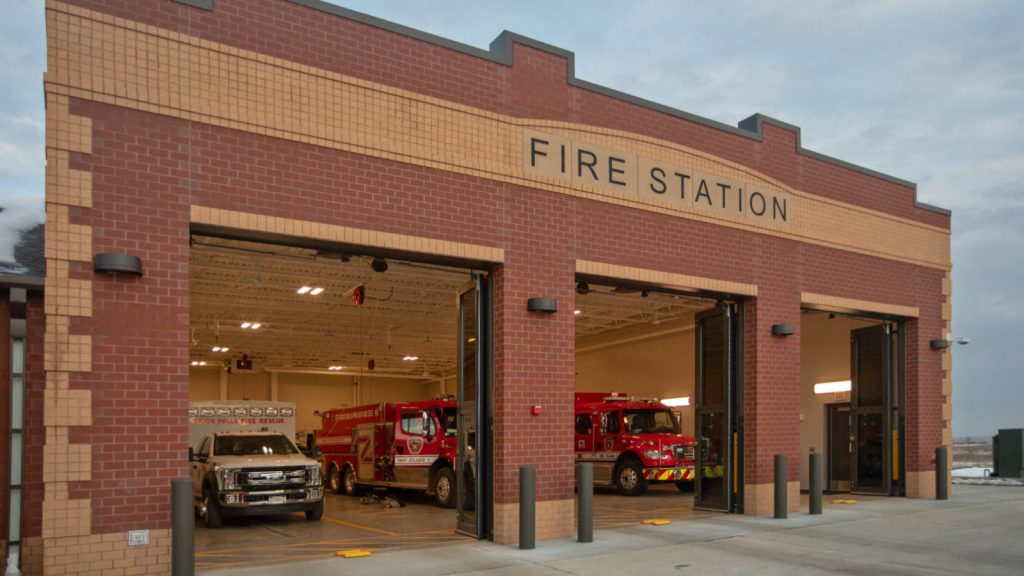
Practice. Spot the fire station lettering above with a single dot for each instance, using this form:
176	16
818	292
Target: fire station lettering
676	187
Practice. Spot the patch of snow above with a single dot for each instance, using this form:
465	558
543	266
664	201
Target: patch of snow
972	473
979	475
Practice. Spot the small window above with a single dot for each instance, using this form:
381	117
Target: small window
204	447
612	426
412	424
583	424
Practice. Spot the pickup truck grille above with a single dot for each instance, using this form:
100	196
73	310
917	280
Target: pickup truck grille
682	451
272	478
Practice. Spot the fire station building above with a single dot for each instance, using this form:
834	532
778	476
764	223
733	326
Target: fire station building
519	234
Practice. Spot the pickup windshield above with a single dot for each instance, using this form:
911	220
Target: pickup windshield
253	445
650	422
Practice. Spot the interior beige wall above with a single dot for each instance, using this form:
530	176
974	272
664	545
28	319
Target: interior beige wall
824	357
203	384
310	392
653	360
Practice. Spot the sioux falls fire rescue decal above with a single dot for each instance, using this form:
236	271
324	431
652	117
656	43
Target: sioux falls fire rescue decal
677	187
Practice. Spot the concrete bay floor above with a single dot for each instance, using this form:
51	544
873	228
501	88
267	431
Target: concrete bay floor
977	531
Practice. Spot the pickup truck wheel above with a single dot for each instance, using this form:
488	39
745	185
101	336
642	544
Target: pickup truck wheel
349	482
212	507
629	478
316	512
334	480
444	488
685	485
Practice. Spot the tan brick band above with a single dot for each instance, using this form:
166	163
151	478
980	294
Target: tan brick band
665	279
107	555
106	59
343	234
839	304
554	519
759	499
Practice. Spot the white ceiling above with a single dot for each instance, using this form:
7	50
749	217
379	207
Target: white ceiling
409	310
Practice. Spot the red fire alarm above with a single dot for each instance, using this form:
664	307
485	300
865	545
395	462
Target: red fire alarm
535	410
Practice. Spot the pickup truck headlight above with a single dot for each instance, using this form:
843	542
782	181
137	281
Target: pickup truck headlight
228	478
313	476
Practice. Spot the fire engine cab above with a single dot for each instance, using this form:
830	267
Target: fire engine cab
632	442
408	445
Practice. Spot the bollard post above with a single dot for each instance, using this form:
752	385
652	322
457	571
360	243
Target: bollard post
527	508
816	483
781	489
941	473
183	559
585	510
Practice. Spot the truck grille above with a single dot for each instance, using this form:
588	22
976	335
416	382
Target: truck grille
280	478
682	451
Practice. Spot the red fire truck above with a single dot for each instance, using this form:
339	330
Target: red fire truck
632	442
409	445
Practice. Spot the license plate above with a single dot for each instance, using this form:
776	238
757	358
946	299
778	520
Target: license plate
278	499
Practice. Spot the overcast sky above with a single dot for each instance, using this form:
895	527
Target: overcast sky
931	91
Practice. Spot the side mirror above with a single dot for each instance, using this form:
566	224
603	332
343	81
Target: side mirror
191	454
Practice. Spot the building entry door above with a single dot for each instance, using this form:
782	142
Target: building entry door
717	429
473	466
840	446
871	399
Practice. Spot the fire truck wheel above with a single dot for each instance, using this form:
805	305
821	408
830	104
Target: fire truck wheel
349	482
316	512
444	488
212	508
685	485
334	480
629	478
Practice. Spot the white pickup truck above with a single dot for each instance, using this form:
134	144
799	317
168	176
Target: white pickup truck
245	465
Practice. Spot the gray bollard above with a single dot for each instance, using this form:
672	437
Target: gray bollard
816	483
183	558
527	508
781	490
585	511
941	473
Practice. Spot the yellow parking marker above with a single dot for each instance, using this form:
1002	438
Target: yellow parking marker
356	553
657	521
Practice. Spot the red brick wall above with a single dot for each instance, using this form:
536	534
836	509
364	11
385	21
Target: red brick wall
148	169
35	435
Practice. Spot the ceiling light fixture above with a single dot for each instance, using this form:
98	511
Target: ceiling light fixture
411	358
577	312
246	325
336	368
250	325
582	288
379	265
675	402
304	289
219	349
316	291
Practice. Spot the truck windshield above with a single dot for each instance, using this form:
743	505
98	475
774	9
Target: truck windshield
253	445
650	422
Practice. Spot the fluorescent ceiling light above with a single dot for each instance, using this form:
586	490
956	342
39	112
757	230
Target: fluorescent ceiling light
577	312
335	368
256	325
830	387
195	362
411	358
674	402
246	324
316	291
304	289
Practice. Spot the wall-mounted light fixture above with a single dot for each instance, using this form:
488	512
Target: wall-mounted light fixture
833	387
940	344
544	304
782	330
117	263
